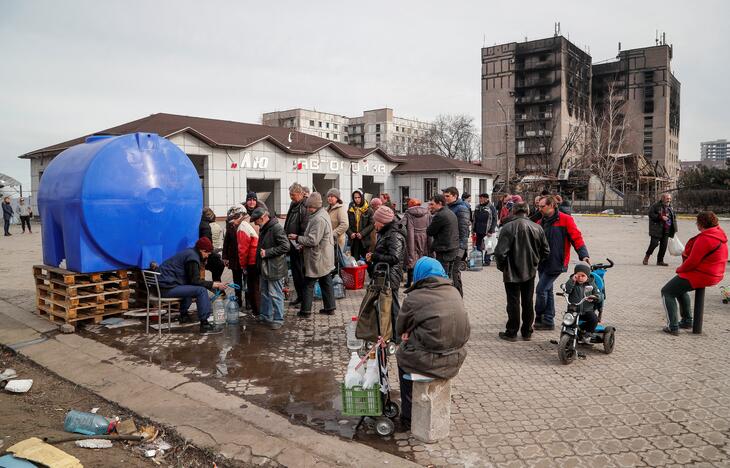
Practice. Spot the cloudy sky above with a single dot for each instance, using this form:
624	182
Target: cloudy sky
74	67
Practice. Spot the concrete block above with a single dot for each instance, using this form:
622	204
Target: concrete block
431	412
67	328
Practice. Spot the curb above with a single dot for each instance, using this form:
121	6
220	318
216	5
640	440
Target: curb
202	415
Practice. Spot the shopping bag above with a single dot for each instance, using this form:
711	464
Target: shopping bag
377	299
675	246
489	244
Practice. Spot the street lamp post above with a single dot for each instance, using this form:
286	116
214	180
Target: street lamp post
506	145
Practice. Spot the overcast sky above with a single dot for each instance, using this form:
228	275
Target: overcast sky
74	67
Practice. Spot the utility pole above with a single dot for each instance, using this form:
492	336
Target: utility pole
506	146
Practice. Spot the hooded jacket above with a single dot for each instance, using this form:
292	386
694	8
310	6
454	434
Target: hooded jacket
656	223
273	240
704	258
561	232
434	317
463	217
390	248
521	247
340	222
483	219
360	220
576	292
247	239
415	221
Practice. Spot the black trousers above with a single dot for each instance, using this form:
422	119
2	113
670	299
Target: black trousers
296	263
487	258
451	266
589	321
6	225
215	265
406	397
520	293
328	294
25	221
238	280
662	243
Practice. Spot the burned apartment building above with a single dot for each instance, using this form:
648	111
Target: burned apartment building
536	95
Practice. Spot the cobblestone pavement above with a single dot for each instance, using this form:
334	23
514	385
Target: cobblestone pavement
657	400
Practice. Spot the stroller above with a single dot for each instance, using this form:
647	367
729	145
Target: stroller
375	327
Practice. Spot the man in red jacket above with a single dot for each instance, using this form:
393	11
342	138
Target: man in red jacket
703	265
561	233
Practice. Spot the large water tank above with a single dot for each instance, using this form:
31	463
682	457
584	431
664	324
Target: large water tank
118	201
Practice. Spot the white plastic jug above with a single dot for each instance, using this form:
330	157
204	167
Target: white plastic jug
353	342
353	376
372	374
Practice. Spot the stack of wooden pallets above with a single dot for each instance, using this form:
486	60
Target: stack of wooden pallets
73	297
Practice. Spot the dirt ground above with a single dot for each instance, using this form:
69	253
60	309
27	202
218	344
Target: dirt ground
41	412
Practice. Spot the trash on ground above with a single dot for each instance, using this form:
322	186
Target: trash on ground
87	423
37	451
609	211
10	461
124	323
94	410
126	426
19	386
112	321
8	374
148	432
150	453
94	443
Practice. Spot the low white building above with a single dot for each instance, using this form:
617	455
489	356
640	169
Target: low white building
233	158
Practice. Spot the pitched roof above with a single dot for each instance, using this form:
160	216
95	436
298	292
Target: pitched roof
436	163
222	133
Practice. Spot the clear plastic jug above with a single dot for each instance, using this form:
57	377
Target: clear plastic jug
232	310
353	343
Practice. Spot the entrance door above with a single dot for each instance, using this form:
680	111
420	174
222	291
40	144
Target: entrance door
267	191
404	196
323	182
371	188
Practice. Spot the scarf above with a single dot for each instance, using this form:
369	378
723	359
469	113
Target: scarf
358	211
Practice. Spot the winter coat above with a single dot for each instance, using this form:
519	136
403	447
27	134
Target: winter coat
576	292
521	247
340	222
656	223
275	244
463	216
444	232
247	239
183	268
704	258
390	248
296	218
561	232
483	219
433	314
318	242
366	225
217	236
25	210
259	204
415	222
230	247
7	211
204	230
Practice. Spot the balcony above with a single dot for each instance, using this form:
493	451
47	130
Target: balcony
535	65
535	82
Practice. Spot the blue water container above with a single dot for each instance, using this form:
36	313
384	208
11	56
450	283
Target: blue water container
117	202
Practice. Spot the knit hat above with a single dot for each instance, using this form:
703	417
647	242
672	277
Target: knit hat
428	266
235	211
413	202
384	215
251	196
334	192
375	203
314	201
582	267
258	213
204	245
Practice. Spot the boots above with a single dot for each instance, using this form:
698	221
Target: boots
646	260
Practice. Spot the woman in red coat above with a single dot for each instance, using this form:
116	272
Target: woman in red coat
703	265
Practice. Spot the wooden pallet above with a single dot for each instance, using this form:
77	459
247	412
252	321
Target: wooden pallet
72	297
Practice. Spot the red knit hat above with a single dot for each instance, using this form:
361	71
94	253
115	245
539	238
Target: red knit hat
204	244
384	215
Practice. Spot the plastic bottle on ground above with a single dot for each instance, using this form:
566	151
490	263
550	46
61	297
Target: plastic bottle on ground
219	312
232	310
353	343
87	423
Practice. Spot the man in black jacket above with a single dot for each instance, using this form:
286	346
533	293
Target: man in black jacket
662	226
296	223
521	247
463	217
485	223
444	232
271	264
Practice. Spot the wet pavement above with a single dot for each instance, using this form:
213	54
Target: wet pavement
295	371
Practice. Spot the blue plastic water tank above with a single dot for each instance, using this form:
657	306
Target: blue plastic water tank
118	202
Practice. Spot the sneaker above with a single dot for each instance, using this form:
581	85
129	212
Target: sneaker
543	326
303	313
506	337
661	264
670	331
646	260
527	337
685	325
327	312
183	319
274	325
208	328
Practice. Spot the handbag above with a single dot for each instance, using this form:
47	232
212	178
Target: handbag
675	246
377	304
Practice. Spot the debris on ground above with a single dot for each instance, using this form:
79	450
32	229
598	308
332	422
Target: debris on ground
94	443
19	386
10	461
37	451
126	427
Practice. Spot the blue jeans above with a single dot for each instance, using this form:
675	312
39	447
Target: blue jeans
545	299
272	299
187	292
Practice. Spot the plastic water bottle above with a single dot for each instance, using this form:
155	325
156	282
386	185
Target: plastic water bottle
232	310
219	312
353	343
339	287
87	423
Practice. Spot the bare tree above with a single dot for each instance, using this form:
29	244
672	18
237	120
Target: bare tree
606	131
451	136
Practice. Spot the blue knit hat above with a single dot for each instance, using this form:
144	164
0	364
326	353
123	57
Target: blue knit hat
428	266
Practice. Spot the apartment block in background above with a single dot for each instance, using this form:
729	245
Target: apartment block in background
718	150
377	128
651	108
533	94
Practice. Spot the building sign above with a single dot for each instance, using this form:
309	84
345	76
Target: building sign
317	163
251	162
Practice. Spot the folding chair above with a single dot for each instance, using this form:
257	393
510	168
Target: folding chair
152	286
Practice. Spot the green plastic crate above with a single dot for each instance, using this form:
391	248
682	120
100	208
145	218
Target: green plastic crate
359	402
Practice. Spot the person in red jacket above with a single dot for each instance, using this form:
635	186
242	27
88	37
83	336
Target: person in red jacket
248	240
703	265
